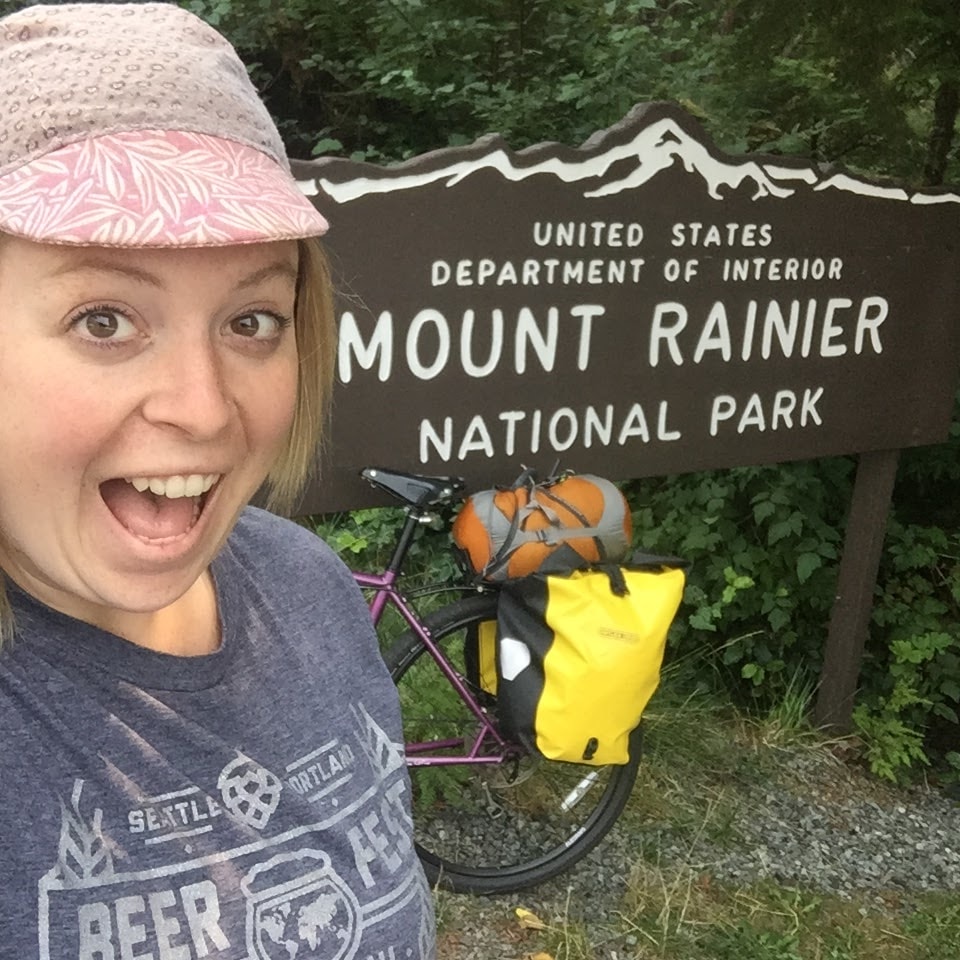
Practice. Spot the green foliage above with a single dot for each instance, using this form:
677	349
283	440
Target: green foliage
851	83
848	83
365	539
936	933
387	80
745	940
362	536
928	480
892	746
764	544
912	680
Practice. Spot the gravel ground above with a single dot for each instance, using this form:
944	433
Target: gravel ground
816	823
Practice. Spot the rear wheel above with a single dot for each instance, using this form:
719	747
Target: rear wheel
492	827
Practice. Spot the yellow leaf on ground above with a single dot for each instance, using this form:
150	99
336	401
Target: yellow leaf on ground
538	956
529	919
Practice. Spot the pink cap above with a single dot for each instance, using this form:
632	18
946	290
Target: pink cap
136	125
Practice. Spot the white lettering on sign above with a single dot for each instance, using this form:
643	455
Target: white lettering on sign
725	235
760	414
783	268
429	345
415	363
597	233
514	432
778	330
377	350
543	342
534	273
470	367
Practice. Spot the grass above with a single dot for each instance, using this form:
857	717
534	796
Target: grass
701	760
679	914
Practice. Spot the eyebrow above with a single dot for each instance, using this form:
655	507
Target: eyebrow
107	266
283	269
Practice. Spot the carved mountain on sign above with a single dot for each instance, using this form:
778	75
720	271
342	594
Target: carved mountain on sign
655	137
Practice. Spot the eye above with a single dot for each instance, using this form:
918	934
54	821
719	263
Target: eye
259	325
104	325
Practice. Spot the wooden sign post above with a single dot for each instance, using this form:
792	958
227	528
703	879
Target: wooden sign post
641	305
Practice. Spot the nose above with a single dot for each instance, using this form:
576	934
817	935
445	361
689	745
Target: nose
189	391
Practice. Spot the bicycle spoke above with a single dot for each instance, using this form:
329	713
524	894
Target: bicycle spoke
491	827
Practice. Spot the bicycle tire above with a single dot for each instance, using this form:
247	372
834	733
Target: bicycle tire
522	836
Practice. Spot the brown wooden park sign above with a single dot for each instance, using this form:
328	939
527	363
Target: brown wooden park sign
641	305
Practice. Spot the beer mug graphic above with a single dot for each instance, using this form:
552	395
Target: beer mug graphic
299	908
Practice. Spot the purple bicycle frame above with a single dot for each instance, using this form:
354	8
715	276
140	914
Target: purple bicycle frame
384	587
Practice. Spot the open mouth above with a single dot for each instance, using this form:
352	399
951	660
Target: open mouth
158	508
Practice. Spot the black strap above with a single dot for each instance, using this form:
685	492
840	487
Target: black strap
537	491
614	572
500	559
641	559
528	479
601	549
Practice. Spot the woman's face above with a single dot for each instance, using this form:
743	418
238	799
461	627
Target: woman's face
174	369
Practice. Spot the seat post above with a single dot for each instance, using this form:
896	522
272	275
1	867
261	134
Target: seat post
407	534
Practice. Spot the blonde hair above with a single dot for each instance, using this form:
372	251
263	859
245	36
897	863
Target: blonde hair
316	348
315	330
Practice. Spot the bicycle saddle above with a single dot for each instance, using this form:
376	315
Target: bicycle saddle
412	488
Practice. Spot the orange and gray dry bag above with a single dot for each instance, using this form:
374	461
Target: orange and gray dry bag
564	522
578	656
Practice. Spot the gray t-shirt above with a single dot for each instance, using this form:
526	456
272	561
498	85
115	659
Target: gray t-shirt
252	803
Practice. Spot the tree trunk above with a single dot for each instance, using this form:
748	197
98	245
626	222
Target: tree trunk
727	20
945	108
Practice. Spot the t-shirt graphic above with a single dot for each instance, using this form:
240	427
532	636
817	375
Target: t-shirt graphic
282	831
294	901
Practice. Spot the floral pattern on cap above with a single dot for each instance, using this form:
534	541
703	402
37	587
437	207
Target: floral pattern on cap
155	189
136	124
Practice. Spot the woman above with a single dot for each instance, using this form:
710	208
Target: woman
199	739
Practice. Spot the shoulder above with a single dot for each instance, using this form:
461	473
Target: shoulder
286	566
262	540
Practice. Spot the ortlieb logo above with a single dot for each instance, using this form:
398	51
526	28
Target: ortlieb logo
613	634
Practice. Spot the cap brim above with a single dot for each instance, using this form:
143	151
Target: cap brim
155	189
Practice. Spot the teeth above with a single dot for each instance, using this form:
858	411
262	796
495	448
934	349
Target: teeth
177	486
